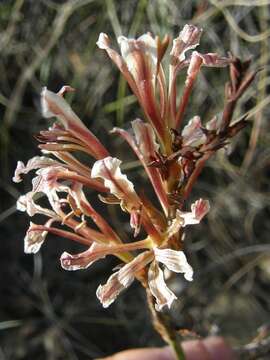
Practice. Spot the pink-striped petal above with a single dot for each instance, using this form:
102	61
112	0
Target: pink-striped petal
120	280
36	162
188	39
83	260
175	261
109	170
34	239
55	105
163	295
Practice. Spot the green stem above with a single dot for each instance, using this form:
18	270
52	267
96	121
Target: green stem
163	326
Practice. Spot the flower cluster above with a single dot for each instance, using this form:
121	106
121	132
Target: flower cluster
172	160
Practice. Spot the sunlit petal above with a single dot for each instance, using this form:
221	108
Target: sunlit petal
109	170
163	295
175	261
122	279
35	238
83	260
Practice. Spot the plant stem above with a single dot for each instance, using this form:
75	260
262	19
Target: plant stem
163	326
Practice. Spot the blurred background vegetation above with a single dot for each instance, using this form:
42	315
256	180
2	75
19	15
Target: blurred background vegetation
47	313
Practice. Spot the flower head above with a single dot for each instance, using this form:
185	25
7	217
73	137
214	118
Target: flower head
172	160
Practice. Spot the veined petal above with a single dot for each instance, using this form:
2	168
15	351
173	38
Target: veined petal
26	204
140	56
198	210
122	279
109	170
145	139
164	296
214	59
192	133
35	238
53	104
152	172
83	260
36	162
108	292
188	39
175	261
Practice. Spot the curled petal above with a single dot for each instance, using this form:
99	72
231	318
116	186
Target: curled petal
36	162
214	60
35	238
164	296
192	133
140	56
122	279
188	39
83	260
26	204
53	104
198	210
109	170
175	261
108	292
145	139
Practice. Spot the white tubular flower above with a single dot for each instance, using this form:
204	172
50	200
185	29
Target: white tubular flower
35	238
145	139
192	133
164	296
36	162
140	56
189	38
53	104
175	261
109	170
83	260
120	280
26	203
198	210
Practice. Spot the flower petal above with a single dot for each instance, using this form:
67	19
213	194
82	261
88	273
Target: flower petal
198	210
109	170
140	56
36	162
120	280
26	204
35	238
145	139
164	296
192	133
83	260
175	261
53	104
188	39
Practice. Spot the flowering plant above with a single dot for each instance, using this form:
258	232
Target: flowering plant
172	160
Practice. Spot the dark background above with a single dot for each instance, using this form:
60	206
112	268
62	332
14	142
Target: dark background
47	313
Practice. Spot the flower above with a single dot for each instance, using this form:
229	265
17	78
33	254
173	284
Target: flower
174	260
172	160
